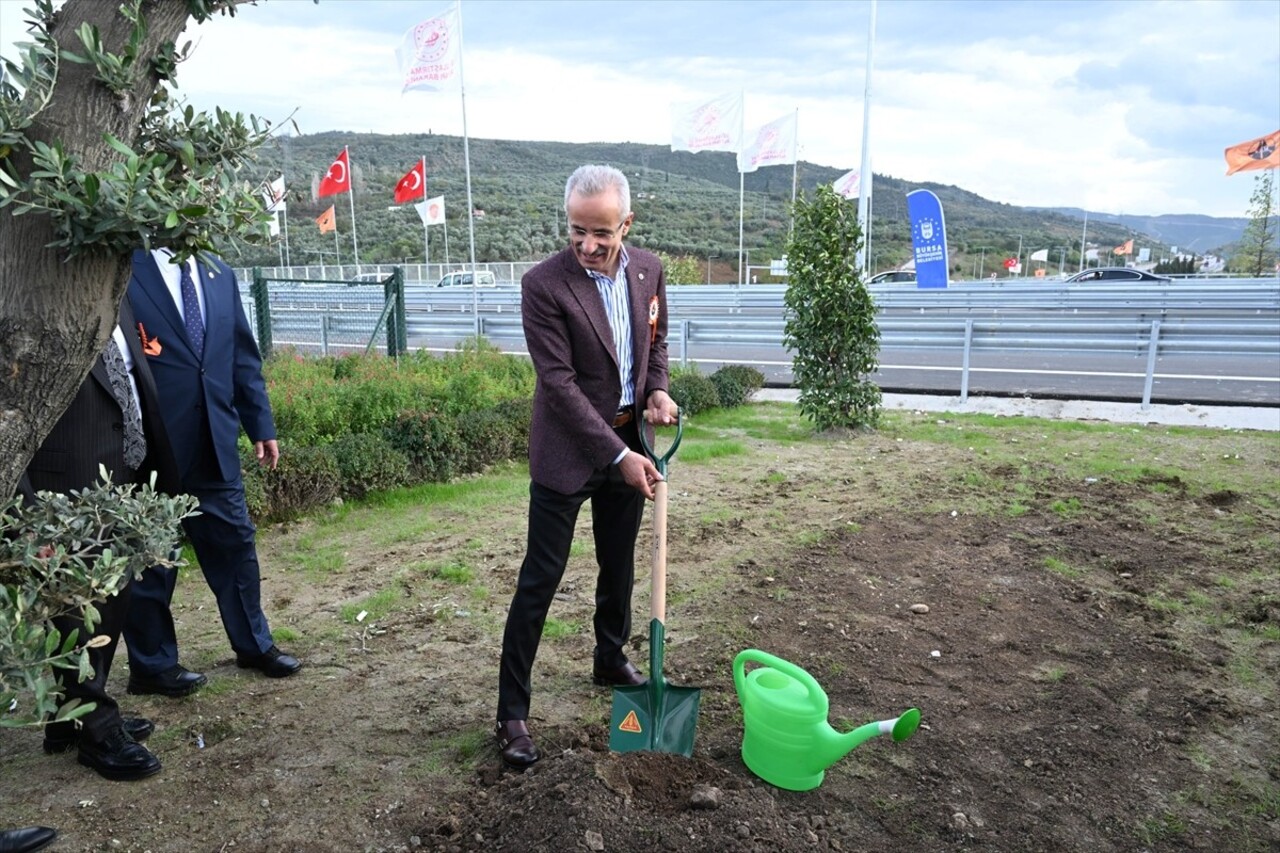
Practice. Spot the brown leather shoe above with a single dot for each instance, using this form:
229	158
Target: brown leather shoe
624	676
514	744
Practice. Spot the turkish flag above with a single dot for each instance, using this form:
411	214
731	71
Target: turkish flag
412	185
338	178
1010	263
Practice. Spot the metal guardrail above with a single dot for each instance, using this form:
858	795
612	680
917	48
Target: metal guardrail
1236	318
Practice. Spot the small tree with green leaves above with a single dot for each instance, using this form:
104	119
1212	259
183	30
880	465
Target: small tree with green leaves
831	317
1256	254
681	269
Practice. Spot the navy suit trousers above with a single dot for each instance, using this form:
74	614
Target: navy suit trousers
223	539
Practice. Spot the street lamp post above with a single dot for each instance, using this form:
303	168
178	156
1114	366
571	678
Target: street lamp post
982	259
1062	260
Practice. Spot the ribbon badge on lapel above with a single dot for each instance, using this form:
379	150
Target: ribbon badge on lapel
150	346
653	319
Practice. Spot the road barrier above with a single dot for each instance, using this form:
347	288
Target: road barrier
1236	318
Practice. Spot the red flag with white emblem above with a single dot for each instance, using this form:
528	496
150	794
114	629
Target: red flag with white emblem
412	185
338	178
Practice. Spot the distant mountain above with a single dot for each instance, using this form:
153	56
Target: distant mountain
1190	232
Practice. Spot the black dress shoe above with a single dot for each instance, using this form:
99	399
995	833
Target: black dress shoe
61	736
515	745
177	680
119	757
273	663
26	840
624	676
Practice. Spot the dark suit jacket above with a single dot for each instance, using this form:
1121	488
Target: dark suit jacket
217	390
578	391
91	432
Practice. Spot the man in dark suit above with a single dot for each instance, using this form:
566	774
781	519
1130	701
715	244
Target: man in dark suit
200	348
114	421
595	320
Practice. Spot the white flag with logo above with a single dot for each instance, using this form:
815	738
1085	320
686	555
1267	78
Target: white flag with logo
273	224
1042	256
714	125
772	145
431	210
849	184
273	194
428	53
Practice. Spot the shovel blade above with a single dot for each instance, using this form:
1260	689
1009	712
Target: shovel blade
654	717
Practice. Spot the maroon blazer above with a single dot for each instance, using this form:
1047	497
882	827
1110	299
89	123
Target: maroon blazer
578	392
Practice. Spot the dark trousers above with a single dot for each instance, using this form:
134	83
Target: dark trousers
105	717
616	512
223	539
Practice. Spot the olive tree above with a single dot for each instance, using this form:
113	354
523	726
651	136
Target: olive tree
830	324
98	158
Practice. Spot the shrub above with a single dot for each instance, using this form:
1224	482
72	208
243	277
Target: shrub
369	463
305	478
486	438
693	392
431	443
729	390
518	414
748	377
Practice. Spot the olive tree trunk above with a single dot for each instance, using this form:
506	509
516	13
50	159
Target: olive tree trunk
56	314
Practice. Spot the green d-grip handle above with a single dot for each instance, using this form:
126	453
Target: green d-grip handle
660	462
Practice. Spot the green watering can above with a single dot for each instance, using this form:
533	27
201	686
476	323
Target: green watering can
786	738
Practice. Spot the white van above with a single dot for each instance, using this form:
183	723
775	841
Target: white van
483	278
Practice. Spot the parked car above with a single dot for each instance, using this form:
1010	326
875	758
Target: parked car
1116	275
893	277
483	278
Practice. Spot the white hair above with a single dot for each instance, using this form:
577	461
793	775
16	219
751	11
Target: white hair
594	180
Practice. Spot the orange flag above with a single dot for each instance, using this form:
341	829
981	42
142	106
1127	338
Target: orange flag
1260	153
326	221
1126	249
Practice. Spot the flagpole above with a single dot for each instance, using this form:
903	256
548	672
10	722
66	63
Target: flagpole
336	253
795	170
1083	231
426	234
863	206
741	211
351	197
284	214
466	160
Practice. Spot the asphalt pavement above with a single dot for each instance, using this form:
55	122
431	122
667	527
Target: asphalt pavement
1263	418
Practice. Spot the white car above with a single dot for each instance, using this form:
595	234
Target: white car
483	278
893	277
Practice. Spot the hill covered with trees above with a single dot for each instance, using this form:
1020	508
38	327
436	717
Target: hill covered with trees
687	205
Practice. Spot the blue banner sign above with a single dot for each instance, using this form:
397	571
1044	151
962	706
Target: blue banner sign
928	238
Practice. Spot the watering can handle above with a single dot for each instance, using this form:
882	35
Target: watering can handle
816	693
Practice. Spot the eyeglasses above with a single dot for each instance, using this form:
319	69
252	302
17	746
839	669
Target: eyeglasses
598	233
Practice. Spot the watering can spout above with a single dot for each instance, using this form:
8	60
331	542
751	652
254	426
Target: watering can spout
840	745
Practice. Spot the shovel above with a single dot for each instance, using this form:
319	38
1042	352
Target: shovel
656	716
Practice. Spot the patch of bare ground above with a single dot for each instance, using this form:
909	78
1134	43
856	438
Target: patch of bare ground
1096	671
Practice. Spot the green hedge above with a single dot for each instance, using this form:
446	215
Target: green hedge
353	425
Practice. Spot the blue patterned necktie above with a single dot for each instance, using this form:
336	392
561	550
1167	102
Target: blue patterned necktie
191	311
135	442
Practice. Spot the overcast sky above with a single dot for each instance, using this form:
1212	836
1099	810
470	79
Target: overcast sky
1122	106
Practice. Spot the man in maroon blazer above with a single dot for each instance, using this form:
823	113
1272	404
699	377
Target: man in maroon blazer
595	321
